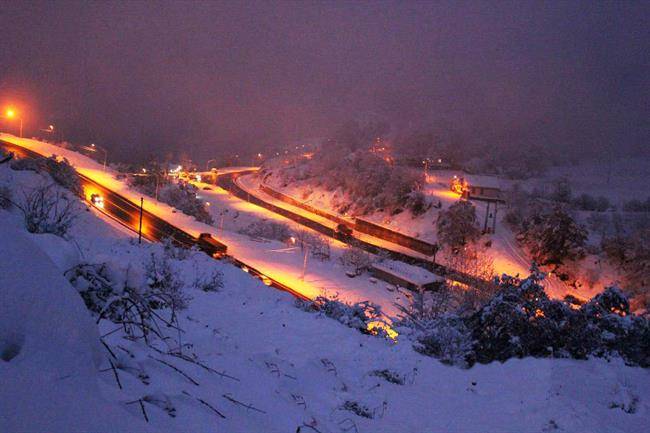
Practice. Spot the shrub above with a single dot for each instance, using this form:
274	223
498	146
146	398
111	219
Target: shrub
358	315
267	230
182	196
359	260
64	174
448	339
164	285
209	282
417	203
553	237
457	226
137	307
30	164
46	209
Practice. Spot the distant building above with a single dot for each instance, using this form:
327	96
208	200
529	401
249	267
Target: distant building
487	193
403	275
477	188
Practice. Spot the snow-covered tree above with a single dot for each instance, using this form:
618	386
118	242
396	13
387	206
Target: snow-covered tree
553	237
458	226
183	196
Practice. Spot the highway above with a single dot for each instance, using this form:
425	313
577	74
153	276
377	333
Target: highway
154	228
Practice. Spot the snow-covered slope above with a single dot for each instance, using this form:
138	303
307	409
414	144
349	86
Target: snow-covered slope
50	348
285	368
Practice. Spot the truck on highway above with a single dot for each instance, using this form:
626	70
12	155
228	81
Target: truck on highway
211	246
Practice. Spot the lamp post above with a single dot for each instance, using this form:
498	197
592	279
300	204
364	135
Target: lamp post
93	148
11	114
207	164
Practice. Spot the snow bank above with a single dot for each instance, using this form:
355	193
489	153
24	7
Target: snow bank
49	347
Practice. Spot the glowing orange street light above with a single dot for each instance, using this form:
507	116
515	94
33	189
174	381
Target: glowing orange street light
11	114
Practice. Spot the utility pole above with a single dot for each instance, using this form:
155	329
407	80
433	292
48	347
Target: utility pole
140	228
304	263
494	219
487	212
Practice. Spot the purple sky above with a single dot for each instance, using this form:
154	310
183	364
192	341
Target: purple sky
218	76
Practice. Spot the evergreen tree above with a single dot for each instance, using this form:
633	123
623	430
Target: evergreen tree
458	225
554	237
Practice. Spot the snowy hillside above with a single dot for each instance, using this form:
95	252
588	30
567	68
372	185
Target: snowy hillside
242	357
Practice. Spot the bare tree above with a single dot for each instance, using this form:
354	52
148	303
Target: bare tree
356	258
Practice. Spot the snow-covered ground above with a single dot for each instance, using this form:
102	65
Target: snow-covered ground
272	366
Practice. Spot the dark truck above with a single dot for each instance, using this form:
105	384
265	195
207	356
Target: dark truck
342	232
210	245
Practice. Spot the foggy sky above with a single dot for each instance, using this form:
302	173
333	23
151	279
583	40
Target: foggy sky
206	78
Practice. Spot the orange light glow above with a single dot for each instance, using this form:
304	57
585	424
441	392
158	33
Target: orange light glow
11	113
373	328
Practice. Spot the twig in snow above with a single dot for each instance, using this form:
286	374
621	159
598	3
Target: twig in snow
111	332
299	429
200	400
247	406
108	348
117	378
349	425
127	351
194	361
144	412
176	369
211	407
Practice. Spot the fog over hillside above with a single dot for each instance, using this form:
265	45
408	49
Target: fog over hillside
204	78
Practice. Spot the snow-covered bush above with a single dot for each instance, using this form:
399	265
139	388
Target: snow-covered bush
522	321
183	197
358	315
138	301
267	229
458	226
357	259
47	209
30	164
59	170
417	203
164	284
209	281
448	339
63	174
553	237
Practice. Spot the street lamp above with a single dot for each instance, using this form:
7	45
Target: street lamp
11	114
93	148
207	164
